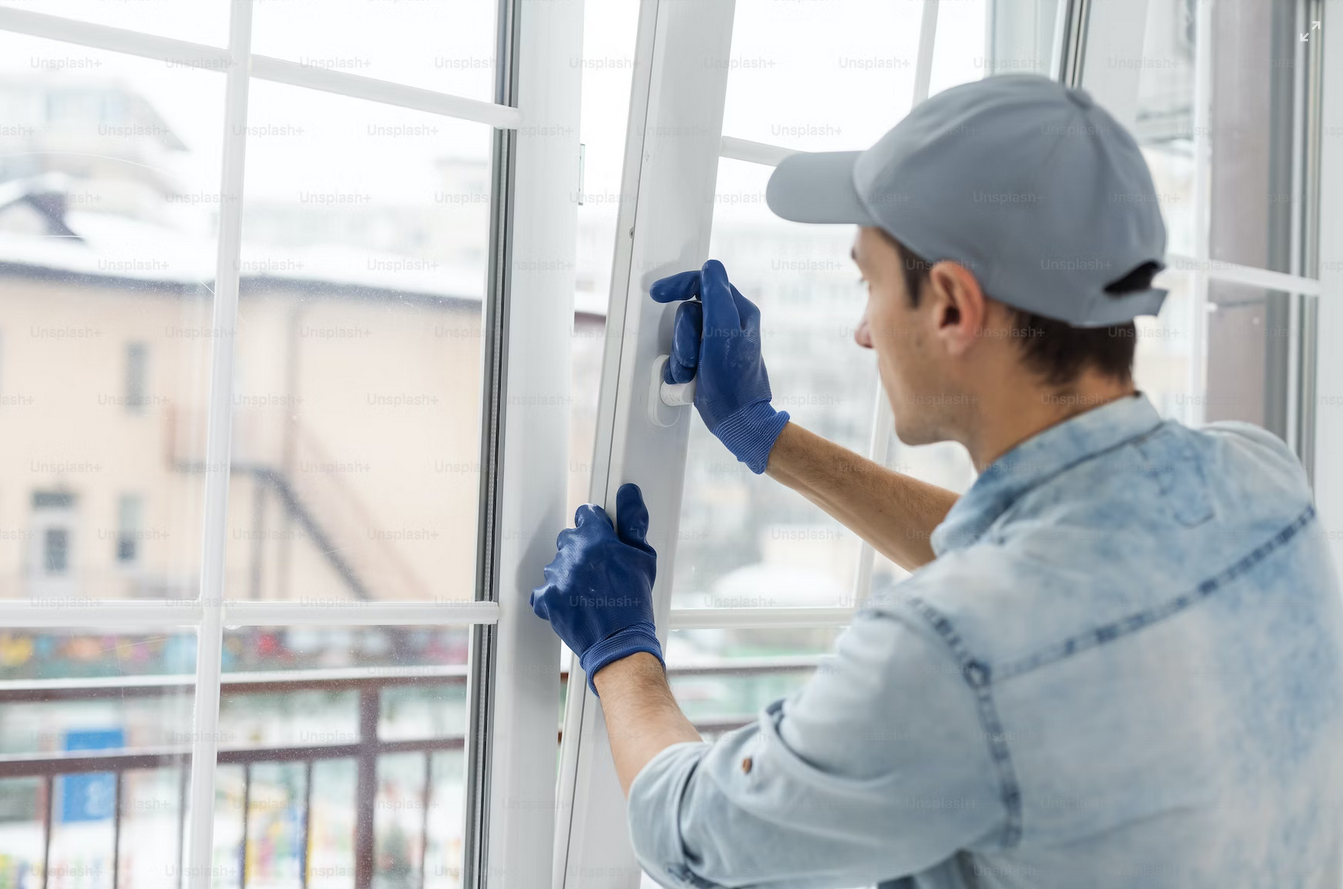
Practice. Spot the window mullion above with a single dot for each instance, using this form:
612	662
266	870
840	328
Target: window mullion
759	618
384	92
923	66
95	36
753	152
205	712
1198	297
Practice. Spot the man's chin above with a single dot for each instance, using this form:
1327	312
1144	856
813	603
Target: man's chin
915	437
916	424
911	432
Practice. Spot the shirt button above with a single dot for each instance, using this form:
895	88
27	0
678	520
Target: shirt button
746	766
977	674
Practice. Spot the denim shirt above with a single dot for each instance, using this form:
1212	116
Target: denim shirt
1124	668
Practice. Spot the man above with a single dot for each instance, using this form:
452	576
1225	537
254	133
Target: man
1119	659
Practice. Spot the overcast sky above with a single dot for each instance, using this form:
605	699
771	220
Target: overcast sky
808	74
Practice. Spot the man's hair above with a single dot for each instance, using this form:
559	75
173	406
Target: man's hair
1054	349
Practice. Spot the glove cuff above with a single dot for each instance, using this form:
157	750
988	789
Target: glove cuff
750	433
641	636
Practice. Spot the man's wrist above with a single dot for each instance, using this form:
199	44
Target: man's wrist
638	669
638	637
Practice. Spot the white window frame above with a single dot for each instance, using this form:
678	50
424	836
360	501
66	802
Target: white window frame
1328	381
529	305
665	228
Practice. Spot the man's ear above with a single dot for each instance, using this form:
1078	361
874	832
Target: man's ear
960	310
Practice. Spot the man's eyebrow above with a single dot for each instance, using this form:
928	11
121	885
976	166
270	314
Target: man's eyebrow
853	254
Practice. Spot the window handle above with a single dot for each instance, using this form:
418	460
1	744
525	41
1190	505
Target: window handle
665	398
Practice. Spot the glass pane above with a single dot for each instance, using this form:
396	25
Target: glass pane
400	814
107	248
275	823
200	21
821	76
1252	159
80	711
745	540
414	712
446	807
608	54
1165	122
152	802
357	732
230	798
1249	346
837	75
959	50
357	398
588	345
720	701
1022	35
433	44
946	464
331	824
699	647
1161	362
720	681
266	649
1251	90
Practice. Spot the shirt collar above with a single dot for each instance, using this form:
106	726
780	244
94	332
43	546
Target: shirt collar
1038	459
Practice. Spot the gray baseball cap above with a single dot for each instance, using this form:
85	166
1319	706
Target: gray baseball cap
1026	182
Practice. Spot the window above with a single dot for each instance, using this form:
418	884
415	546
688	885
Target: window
130	528
51	557
317	254
137	377
56	551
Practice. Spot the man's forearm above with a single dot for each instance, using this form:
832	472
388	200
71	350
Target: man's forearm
642	717
892	511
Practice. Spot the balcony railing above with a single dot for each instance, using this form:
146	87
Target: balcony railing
366	750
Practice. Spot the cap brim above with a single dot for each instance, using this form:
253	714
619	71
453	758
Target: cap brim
817	186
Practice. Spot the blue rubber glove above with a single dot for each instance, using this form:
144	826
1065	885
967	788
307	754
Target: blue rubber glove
598	594
717	340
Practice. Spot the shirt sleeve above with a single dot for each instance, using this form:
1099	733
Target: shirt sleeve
879	767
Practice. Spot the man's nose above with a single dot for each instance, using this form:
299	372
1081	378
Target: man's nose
861	335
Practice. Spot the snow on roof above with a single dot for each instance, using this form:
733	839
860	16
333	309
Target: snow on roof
119	247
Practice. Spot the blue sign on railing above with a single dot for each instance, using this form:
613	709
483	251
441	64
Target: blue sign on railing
91	796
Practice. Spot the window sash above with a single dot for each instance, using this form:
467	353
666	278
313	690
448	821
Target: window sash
539	170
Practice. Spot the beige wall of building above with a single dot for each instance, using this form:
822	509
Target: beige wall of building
355	468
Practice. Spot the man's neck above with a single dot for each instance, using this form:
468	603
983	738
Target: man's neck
1012	419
